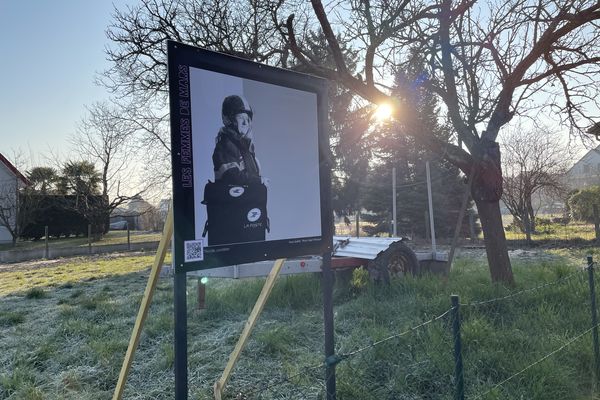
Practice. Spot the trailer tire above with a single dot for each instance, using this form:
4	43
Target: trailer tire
397	261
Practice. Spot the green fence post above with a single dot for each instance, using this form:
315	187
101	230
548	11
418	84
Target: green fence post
590	263
459	393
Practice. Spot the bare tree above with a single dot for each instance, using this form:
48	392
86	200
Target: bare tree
138	74
105	139
486	62
534	163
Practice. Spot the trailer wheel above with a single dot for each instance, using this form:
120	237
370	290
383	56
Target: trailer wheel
396	261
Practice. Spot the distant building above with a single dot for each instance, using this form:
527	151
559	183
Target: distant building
139	215
11	180
586	171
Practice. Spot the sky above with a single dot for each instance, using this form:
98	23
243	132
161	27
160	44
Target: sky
50	52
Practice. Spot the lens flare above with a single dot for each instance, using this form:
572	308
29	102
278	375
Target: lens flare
383	112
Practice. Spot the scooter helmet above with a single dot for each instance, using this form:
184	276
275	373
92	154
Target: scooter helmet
233	105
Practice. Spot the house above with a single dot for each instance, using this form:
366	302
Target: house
586	171
138	215
11	180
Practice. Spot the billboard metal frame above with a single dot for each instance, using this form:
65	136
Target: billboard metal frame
183	57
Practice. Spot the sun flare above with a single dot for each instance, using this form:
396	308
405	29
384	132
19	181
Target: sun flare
383	112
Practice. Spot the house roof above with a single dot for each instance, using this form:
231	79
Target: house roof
595	150
14	170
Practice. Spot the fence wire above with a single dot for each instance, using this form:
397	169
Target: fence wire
418	362
522	365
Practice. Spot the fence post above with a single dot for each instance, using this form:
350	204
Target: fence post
472	227
47	250
459	393
590	263
90	238
128	239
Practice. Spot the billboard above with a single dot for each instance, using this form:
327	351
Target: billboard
250	160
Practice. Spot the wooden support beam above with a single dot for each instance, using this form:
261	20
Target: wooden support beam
219	386
145	305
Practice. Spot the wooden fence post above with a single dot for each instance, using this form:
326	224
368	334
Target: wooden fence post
596	222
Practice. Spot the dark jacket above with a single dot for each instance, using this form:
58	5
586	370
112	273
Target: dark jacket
234	159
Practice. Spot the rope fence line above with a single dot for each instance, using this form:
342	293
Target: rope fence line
387	339
529	290
377	386
338	358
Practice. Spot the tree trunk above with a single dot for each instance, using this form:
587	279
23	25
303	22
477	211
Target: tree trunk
486	190
527	226
531	213
495	241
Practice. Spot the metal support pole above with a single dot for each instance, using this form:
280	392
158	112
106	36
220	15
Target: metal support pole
47	251
394	215
427	233
201	295
357	223
590	263
459	393
430	200
327	285
180	363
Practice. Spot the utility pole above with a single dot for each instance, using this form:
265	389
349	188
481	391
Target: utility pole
394	221
431	226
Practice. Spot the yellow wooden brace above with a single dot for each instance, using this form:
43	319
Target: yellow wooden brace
219	387
145	305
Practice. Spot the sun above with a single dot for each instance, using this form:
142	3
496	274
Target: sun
383	112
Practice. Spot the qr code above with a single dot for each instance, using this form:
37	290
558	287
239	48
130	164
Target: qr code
193	250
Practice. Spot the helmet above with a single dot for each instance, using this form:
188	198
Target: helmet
233	105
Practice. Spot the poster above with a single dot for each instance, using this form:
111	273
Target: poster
249	151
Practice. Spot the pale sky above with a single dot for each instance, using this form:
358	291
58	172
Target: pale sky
49	52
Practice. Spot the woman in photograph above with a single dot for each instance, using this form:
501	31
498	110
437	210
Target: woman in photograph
237	200
234	158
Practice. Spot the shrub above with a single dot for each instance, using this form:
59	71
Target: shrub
580	203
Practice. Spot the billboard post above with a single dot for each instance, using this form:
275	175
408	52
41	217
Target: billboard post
327	287
180	337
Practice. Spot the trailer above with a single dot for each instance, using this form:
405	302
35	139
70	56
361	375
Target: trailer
384	258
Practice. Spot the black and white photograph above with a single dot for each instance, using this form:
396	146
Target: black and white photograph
256	160
248	161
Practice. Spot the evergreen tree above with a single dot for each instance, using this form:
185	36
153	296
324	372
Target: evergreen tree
395	148
348	125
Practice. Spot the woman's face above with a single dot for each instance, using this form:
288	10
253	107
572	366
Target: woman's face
243	123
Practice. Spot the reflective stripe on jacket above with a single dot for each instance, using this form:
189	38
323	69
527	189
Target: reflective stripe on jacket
234	160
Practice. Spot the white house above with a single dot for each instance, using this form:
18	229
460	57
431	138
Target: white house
10	180
586	171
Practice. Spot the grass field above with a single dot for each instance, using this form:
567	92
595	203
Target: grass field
547	232
112	237
64	329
